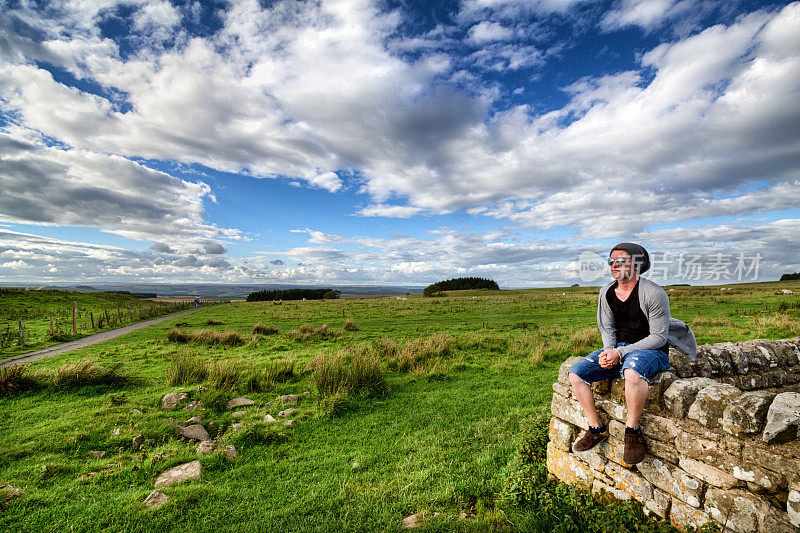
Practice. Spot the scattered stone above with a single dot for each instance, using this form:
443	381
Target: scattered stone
174	399
237	426
710	403
238	414
137	411
116	431
8	492
97	454
194	406
239	402
137	442
411	522
160	456
747	414
287	412
783	418
288	422
269	418
179	474
155	499
206	447
289	398
196	419
230	452
194	432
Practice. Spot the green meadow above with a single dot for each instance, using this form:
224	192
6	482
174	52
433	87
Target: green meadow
408	405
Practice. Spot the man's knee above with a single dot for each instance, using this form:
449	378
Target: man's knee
633	378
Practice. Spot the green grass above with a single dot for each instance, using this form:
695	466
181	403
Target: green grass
432	405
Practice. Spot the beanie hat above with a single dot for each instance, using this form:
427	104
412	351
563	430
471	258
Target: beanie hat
638	254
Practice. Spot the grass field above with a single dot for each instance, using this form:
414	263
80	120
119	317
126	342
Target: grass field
429	406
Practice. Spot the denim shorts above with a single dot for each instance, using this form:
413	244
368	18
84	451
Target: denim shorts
646	363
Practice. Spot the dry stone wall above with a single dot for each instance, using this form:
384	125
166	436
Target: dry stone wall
722	436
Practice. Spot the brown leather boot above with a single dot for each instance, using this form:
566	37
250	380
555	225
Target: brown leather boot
589	441
634	448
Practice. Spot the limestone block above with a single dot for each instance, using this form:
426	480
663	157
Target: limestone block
613	409
239	402
682	366
661	450
723	454
607	491
194	432
680	395
172	400
562	390
777	521
672	480
659	427
747	414
710	474
562	433
155	499
682	515
715	360
793	505
613	449
629	481
593	458
783	418
776	353
762	456
710	403
771	481
660	503
738	510
747	360
569	410
563	370
567	468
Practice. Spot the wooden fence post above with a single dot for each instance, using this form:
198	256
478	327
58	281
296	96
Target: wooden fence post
91	316
21	334
74	317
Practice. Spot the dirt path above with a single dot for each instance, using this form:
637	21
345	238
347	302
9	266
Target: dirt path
87	341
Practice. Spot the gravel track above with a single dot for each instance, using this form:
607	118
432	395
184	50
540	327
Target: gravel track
88	340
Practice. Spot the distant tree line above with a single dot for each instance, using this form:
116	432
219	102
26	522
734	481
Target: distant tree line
293	294
460	284
791	277
135	294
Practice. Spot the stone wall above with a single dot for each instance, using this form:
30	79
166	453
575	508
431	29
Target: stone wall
722	435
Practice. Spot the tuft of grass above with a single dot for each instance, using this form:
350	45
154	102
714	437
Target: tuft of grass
350	325
309	332
85	372
350	371
711	321
259	433
225	375
279	370
584	339
207	336
261	329
212	322
185	369
422	351
17	379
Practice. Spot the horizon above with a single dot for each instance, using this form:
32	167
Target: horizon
398	143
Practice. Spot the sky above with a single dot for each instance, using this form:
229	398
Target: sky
397	142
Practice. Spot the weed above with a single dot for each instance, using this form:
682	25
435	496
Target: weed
206	336
351	371
224	375
350	325
212	322
16	379
216	399
584	339
256	434
185	369
85	372
177	335
279	370
260	329
699	321
118	398
309	332
420	351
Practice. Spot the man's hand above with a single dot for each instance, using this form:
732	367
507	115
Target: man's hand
609	358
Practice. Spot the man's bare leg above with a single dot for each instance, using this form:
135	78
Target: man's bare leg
635	396
583	392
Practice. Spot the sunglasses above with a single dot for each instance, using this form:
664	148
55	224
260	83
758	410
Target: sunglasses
621	261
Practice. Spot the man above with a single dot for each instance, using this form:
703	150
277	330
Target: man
633	317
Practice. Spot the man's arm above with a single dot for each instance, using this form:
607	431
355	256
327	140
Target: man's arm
605	320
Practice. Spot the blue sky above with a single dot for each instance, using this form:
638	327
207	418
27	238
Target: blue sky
396	142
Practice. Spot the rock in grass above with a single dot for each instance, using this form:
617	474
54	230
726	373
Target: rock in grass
287	412
179	474
173	400
194	432
239	402
193	406
238	426
289	398
411	522
288	422
137	441
230	452
97	454
155	499
195	419
207	446
269	418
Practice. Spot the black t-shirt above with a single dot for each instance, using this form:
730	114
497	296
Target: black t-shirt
631	323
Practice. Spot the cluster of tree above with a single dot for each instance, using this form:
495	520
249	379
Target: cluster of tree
135	294
293	294
460	284
791	277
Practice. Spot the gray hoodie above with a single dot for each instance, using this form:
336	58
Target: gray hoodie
654	303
